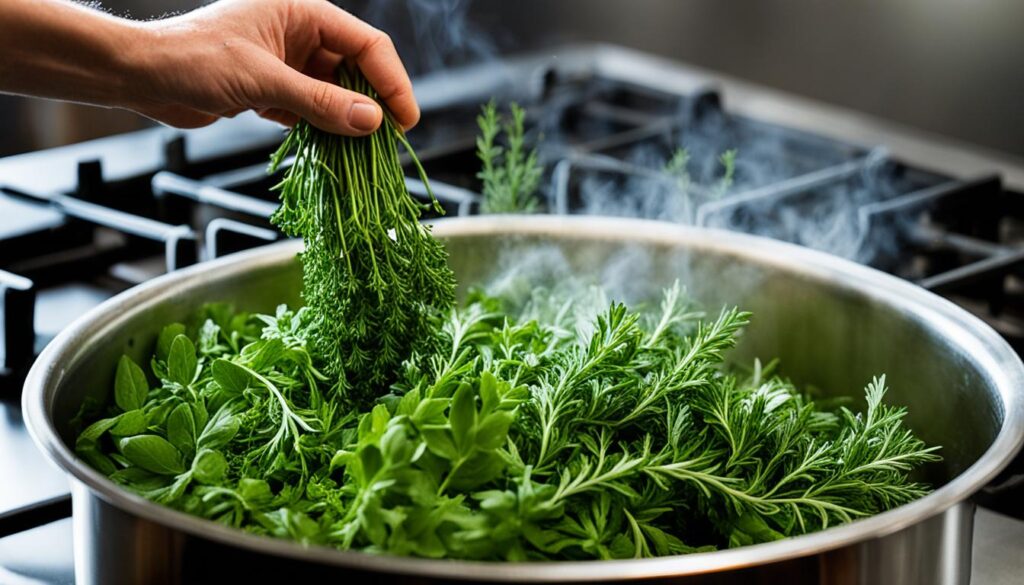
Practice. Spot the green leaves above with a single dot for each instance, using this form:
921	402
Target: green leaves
677	168
181	360
153	454
130	423
492	431
181	429
509	173
167	336
728	161
462	417
534	426
209	467
231	377
220	430
472	438
372	279
130	385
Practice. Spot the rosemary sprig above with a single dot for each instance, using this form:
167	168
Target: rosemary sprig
509	173
677	168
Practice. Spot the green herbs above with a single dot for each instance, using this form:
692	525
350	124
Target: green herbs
728	161
371	271
677	168
510	175
560	427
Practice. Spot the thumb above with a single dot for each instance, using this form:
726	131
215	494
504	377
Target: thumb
325	105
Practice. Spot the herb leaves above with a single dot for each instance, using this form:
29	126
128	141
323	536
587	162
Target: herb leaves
512	433
371	270
554	427
509	173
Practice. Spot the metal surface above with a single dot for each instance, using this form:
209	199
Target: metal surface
833	323
17	303
35	514
165	182
179	240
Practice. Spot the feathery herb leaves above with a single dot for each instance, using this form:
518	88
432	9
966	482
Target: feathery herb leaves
371	271
511	435
509	173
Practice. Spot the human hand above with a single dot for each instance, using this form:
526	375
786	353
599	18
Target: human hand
277	57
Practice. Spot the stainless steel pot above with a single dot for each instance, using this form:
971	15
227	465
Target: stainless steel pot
833	324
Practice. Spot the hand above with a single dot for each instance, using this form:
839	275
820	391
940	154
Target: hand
276	57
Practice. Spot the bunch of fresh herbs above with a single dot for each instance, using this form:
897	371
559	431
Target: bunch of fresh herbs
562	427
372	272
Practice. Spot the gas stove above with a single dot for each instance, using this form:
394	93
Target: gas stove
79	224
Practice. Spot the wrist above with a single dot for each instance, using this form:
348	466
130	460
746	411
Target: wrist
130	62
66	51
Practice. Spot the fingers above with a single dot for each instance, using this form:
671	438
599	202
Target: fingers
325	105
179	116
379	62
282	117
373	52
323	65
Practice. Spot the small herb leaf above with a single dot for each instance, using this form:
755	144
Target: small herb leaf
181	429
130	385
232	378
182	361
152	453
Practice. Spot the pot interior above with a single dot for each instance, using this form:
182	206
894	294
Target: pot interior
832	333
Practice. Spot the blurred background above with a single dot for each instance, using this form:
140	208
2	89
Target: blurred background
947	67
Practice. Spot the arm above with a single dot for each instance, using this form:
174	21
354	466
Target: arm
273	56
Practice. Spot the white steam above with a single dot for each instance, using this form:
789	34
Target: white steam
436	34
786	186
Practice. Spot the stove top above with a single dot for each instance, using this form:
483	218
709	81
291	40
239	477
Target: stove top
81	223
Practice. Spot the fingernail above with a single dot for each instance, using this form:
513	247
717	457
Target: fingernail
362	117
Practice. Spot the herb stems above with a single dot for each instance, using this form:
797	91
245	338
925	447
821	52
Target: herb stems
372	272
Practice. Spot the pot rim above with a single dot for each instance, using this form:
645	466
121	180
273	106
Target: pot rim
996	357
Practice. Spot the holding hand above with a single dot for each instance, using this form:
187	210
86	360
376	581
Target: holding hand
276	57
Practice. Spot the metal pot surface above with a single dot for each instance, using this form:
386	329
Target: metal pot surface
833	323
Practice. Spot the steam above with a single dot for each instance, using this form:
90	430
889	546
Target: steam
794	188
787	186
432	34
536	277
625	273
519	271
